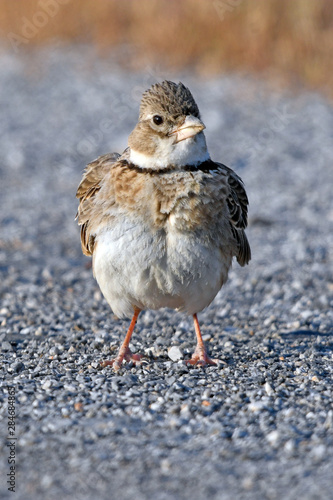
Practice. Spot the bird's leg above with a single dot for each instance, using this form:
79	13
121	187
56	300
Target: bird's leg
200	356
124	351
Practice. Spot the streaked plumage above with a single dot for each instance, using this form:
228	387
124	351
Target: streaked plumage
163	221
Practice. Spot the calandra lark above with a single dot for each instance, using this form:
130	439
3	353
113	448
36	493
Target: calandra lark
162	221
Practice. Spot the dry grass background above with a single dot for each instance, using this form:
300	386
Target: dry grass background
289	40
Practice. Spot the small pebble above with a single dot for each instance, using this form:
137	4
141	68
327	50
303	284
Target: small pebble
175	353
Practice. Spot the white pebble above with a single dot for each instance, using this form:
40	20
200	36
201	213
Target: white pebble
175	353
273	437
269	389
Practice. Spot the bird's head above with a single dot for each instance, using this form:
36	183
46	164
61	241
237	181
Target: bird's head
169	131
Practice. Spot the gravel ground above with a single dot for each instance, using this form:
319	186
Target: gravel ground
258	426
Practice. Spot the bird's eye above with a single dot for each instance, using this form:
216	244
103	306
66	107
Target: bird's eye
157	119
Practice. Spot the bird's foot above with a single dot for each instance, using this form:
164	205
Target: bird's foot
201	358
126	355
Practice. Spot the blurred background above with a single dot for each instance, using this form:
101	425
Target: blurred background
289	42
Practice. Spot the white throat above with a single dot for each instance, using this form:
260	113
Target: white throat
192	151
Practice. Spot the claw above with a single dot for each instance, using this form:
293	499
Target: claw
201	358
117	361
125	352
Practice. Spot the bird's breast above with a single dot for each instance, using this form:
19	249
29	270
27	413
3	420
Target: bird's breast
167	246
166	267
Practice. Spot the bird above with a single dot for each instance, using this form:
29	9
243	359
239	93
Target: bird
162	221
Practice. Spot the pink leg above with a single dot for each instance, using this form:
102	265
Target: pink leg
200	356
124	351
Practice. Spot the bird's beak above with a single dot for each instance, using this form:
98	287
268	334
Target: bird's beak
191	127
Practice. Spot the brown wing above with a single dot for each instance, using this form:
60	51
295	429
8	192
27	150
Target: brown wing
90	184
237	202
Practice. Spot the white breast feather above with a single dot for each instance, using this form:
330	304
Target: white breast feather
189	152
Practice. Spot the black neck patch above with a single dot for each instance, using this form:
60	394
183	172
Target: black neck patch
206	167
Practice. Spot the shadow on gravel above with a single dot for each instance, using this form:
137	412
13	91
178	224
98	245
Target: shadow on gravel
300	333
